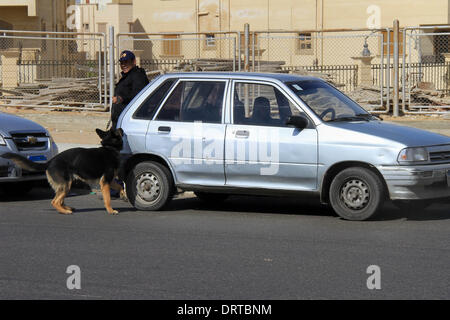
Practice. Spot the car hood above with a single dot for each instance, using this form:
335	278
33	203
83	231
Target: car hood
411	137
11	123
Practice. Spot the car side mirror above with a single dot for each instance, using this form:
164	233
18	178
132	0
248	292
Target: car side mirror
299	122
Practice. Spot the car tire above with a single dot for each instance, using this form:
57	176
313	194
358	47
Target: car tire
357	194
149	186
412	205
211	197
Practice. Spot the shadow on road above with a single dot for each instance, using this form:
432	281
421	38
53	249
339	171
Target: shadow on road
41	193
255	204
436	211
304	206
308	206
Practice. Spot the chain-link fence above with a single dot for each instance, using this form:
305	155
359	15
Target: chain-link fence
182	51
69	70
426	70
57	70
352	61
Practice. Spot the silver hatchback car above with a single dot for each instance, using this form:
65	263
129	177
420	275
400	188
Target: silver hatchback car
274	134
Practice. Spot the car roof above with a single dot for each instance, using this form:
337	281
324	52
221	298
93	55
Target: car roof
283	77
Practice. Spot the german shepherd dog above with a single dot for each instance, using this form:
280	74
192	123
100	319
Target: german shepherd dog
95	165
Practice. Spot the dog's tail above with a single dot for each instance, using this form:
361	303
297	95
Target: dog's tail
24	163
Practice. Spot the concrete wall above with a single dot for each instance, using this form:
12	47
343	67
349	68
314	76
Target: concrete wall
181	15
204	16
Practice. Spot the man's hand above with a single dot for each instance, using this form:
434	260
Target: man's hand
117	100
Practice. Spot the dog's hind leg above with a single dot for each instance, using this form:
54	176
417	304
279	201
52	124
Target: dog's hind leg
105	187
61	186
62	204
58	201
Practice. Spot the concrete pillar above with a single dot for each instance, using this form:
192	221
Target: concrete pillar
364	70
10	69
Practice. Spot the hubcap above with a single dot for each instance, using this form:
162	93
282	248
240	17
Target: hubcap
355	194
148	187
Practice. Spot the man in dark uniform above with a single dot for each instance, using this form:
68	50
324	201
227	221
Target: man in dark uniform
133	80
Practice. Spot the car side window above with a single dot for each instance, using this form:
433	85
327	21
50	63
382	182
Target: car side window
261	105
195	101
147	109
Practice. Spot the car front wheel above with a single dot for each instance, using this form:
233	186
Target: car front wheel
149	186
357	194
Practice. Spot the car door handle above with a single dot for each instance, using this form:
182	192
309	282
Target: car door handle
164	129
242	134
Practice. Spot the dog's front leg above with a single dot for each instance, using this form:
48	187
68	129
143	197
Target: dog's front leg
105	187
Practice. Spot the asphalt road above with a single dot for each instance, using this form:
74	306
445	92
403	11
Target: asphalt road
245	248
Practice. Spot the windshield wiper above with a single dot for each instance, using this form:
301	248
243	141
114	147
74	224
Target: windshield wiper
357	117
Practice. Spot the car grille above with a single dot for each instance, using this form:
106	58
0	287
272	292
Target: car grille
30	141
440	156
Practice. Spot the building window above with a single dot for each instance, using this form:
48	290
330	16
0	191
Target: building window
250	41
101	27
210	40
86	27
171	45
304	44
391	41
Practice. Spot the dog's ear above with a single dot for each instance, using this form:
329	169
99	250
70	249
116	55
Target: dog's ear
100	133
119	132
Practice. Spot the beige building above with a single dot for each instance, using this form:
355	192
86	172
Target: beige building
33	15
229	15
98	16
297	48
30	15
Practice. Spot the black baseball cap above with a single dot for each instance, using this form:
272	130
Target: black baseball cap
127	55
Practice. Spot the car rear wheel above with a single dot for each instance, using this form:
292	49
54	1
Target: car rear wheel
356	194
149	186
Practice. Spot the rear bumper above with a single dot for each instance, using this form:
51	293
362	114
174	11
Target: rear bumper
417	182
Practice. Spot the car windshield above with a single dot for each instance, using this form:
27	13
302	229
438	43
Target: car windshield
327	102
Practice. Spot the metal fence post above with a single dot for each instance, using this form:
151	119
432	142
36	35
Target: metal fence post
396	68
111	66
247	45
388	70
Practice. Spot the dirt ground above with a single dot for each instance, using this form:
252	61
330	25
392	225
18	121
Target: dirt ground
78	127
66	126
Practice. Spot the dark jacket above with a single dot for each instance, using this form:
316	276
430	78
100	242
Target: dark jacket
126	89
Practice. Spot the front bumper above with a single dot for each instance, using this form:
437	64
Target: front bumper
417	182
9	172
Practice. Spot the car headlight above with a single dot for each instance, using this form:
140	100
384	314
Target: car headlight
2	141
410	155
50	137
